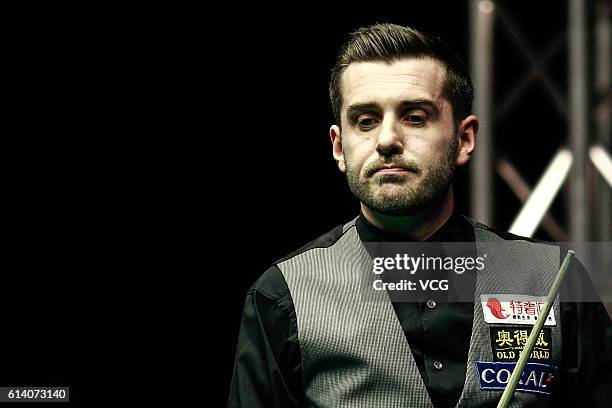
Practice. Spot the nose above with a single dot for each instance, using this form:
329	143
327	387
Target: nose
390	140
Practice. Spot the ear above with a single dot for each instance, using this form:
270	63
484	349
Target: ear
336	140
467	139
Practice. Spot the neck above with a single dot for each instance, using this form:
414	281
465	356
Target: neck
419	226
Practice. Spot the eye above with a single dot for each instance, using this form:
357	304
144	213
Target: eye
366	123
415	119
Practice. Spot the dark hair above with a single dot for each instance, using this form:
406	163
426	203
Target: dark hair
390	43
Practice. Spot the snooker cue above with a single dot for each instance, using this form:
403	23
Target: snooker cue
535	332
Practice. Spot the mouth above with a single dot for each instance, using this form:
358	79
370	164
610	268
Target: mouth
393	170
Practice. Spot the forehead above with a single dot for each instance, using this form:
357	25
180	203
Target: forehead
382	83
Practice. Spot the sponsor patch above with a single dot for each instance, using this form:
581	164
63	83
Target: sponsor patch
507	343
515	309
536	378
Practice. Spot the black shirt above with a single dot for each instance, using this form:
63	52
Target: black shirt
268	367
437	332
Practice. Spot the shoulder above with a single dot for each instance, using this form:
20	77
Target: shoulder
502	234
326	240
272	284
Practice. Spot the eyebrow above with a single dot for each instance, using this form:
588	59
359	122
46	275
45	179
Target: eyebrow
354	110
420	103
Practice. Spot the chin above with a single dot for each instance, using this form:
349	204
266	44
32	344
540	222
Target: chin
394	191
396	205
402	211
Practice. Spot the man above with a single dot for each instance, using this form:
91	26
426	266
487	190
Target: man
311	337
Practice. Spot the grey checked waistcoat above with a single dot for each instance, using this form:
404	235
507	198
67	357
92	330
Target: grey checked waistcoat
354	352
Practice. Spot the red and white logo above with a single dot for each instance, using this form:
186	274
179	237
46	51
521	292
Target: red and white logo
515	309
496	308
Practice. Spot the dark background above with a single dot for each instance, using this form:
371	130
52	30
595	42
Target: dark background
160	157
286	190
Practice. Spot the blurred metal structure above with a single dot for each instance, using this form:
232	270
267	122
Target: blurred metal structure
583	154
603	109
481	61
522	190
543	194
578	120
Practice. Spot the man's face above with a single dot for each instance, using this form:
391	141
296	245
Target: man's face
398	141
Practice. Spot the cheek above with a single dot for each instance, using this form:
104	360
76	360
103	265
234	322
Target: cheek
423	151
431	148
357	152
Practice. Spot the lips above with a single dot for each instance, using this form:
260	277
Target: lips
392	170
398	170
